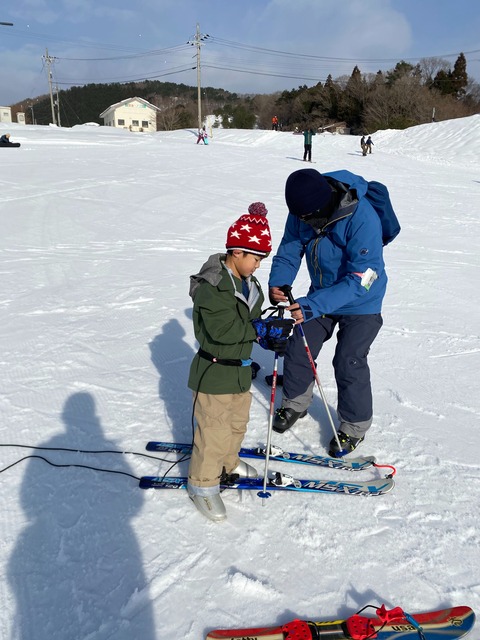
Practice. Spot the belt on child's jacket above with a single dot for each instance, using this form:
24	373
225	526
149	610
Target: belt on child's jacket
226	362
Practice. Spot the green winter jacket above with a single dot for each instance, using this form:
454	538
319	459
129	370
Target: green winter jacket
222	324
307	135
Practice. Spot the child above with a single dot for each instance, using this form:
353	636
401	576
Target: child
226	298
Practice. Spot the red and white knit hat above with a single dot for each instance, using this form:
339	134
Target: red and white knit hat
251	231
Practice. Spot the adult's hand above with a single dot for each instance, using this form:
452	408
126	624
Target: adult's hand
277	296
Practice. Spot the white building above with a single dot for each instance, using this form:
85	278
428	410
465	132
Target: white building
135	114
5	114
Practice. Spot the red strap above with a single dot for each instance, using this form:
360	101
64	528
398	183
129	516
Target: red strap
394	471
387	615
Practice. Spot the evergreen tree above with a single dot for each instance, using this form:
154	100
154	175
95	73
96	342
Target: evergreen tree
401	70
352	100
443	82
459	78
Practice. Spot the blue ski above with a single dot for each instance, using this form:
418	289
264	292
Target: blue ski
281	482
352	464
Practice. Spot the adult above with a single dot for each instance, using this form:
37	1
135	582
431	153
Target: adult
369	144
363	145
333	225
307	144
5	139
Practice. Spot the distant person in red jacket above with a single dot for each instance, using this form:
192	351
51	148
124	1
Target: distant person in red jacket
275	123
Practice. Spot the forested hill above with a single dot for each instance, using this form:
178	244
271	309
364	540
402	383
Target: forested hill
84	104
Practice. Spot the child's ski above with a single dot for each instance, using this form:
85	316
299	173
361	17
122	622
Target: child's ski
352	464
281	482
456	622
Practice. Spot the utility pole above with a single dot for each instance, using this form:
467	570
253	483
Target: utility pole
49	60
57	102
198	42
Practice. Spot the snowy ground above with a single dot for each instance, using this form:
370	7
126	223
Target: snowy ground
100	231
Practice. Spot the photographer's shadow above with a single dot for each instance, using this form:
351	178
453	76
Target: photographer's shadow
76	570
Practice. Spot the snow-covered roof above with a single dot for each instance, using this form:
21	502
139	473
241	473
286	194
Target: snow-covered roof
126	101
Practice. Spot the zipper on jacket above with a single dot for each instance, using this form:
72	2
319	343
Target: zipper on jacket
314	253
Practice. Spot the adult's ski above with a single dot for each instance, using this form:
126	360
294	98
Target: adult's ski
280	482
276	453
395	624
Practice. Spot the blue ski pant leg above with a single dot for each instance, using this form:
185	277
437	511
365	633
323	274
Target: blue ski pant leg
355	336
298	378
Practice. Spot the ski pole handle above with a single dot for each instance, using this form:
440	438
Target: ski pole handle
287	290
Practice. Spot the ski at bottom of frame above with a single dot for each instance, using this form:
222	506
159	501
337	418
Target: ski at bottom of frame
281	482
395	624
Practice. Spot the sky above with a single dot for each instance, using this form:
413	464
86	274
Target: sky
101	229
254	46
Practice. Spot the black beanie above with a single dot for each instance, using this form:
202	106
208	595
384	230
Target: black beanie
307	191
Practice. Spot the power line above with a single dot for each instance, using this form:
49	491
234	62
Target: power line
157	74
263	73
258	61
134	56
276	52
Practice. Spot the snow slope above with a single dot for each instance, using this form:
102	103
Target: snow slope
100	231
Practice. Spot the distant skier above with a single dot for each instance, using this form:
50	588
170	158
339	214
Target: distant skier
307	144
369	144
363	145
202	136
275	123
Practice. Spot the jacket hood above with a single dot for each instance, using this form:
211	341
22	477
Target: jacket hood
350	188
210	272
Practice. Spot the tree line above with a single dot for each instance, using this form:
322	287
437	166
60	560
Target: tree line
402	97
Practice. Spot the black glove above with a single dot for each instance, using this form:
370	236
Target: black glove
273	333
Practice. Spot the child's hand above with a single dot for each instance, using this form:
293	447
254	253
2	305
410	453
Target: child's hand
273	333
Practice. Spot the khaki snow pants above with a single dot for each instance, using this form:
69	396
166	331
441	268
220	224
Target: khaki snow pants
221	425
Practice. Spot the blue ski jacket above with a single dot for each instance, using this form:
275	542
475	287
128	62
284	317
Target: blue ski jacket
339	257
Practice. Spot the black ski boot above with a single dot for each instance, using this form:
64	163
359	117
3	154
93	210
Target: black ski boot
285	417
348	444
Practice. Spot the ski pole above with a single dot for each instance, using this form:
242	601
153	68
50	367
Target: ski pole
264	493
287	290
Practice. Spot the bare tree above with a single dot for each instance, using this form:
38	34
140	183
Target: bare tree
429	67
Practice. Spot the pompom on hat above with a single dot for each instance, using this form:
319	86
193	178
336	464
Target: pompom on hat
251	232
306	191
